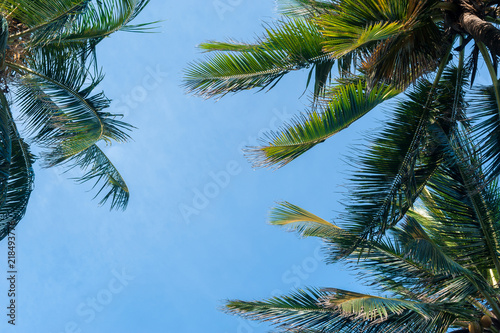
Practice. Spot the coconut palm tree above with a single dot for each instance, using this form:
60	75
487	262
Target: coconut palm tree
422	211
435	267
437	271
381	48
48	74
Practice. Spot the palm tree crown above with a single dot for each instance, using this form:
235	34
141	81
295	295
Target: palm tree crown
435	264
49	72
422	212
381	47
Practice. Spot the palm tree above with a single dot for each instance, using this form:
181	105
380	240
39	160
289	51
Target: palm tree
48	74
437	271
421	218
382	48
435	268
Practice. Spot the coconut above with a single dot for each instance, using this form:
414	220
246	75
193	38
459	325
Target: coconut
474	327
486	321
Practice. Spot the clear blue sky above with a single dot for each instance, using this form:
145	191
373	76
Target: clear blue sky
152	268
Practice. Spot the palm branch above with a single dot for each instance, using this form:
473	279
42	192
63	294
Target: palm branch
345	103
289	45
425	276
48	59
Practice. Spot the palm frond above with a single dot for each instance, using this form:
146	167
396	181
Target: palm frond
408	263
345	104
464	208
421	248
5	147
19	184
58	107
354	23
350	38
302	221
304	8
104	175
392	172
287	46
101	19
397	40
300	310
486	128
370	307
406	58
335	310
44	19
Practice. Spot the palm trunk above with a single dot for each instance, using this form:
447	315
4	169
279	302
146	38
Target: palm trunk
482	31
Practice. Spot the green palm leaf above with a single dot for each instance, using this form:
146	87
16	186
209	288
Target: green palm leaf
355	23
335	310
299	310
346	104
422	249
486	128
304	8
392	172
370	307
350	38
19	184
58	106
5	148
302	221
398	41
48	61
105	176
287	46
101	19
44	19
460	194
63	115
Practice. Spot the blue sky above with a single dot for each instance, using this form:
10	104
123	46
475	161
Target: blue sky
154	267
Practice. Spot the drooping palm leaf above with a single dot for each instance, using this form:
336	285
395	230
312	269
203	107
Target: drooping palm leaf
369	307
288	45
57	102
299	220
403	60
48	59
101	19
334	310
19	184
465	208
104	175
60	110
5	137
345	104
392	172
409	263
297	310
486	128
